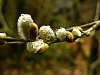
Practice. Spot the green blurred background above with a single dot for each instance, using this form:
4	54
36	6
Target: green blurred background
61	58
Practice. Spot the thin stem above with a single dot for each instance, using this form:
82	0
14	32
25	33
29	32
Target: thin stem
83	26
15	42
93	25
11	39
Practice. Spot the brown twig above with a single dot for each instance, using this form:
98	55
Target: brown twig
84	25
93	25
11	40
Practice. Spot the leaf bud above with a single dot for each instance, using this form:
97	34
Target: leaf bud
38	47
2	35
61	34
76	32
33	31
69	37
46	33
27	29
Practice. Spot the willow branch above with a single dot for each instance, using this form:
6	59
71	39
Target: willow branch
11	40
84	25
92	26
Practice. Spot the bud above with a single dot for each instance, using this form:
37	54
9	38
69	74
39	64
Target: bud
43	48
46	33
61	34
33	31
2	35
26	28
76	32
69	37
38	46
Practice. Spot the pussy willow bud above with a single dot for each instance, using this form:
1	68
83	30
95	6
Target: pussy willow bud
76	32
69	37
2	35
33	31
43	48
38	47
46	33
27	29
61	34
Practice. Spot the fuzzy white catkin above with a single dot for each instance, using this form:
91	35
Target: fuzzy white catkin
61	34
23	22
35	46
2	35
46	33
76	32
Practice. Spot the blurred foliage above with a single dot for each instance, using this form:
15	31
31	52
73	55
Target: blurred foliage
15	60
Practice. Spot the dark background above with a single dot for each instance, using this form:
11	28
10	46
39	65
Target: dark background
61	58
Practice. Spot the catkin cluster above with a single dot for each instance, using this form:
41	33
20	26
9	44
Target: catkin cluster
40	38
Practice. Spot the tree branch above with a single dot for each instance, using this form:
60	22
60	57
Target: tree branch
92	25
85	25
